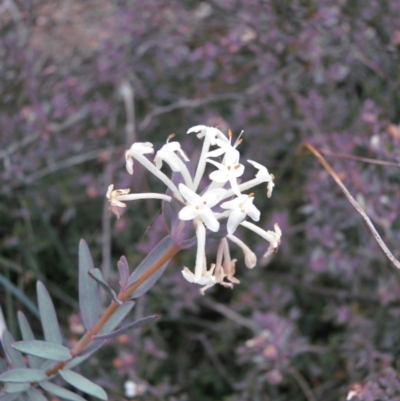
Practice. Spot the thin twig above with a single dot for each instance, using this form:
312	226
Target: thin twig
70	162
230	314
128	95
356	205
53	127
214	359
184	103
361	159
303	384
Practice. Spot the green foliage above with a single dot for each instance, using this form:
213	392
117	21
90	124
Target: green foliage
21	381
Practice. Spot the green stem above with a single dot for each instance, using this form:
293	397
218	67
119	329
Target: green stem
122	296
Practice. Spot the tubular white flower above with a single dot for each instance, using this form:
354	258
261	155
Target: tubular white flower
210	135
201	261
228	263
264	176
136	152
200	206
139	148
230	170
261	176
116	196
224	146
250	258
112	196
207	280
240	207
168	154
273	237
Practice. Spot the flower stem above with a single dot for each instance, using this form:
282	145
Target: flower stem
122	296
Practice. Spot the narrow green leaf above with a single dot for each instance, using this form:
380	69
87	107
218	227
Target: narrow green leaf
60	391
131	326
16	358
83	384
48	316
16	387
153	256
23	375
117	317
89	301
43	349
112	323
35	395
27	334
96	275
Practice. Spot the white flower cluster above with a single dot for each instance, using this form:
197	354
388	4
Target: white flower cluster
224	193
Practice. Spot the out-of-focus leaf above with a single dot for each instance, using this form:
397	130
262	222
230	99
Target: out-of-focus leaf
89	301
48	316
16	358
3	366
60	392
123	269
83	384
9	397
9	286
117	317
131	326
27	334
23	375
43	349
35	395
96	275
16	387
152	257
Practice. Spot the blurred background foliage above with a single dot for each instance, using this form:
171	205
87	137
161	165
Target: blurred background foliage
81	80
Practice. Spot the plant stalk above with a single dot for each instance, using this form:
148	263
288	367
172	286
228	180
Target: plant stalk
122	296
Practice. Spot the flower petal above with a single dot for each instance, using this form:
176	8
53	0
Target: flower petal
209	219
188	275
188	212
235	218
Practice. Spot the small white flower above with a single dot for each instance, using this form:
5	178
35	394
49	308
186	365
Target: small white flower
273	237
230	170
250	258
210	133
137	151
200	206
167	154
240	207
116	196
224	146
113	200
138	148
264	176
130	389
205	279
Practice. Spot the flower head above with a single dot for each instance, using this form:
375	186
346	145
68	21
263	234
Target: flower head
221	207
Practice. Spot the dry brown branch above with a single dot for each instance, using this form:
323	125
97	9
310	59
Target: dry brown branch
351	199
